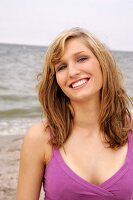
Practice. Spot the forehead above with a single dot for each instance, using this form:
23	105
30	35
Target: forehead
75	45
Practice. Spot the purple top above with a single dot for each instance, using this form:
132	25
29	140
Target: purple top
61	183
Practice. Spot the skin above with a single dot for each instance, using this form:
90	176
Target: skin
77	63
35	153
91	159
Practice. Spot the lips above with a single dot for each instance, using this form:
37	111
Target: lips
79	83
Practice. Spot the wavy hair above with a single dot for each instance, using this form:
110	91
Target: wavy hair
114	116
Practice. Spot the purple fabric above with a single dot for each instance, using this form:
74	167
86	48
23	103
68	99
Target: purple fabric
61	183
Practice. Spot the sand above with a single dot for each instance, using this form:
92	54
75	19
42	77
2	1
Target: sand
9	166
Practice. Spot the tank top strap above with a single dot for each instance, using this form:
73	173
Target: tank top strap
130	135
130	145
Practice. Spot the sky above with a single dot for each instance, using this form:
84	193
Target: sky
38	22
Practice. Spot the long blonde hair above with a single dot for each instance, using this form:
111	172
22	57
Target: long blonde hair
114	117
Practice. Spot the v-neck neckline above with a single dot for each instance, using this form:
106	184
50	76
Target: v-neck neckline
107	183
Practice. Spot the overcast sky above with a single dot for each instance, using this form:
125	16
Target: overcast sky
39	21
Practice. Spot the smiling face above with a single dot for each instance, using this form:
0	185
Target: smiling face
78	73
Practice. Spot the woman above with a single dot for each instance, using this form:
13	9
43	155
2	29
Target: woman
84	148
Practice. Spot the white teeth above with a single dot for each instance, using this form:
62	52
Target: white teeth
81	82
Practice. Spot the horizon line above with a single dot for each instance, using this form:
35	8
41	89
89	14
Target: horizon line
39	45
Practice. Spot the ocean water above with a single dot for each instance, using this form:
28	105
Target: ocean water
19	66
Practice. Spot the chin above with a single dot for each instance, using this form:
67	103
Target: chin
85	97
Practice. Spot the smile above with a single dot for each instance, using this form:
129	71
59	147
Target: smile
79	83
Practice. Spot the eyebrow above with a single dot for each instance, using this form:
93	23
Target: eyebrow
78	52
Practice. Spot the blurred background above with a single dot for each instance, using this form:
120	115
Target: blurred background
26	29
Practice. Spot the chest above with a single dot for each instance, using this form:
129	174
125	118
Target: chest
64	179
78	173
93	161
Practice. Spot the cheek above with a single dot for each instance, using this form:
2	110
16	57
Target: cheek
60	81
98	73
100	76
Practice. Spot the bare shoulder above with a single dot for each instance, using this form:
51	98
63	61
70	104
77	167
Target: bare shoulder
33	158
37	132
36	140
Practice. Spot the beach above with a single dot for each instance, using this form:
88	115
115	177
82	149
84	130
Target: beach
9	165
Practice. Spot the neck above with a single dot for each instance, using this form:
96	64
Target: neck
86	116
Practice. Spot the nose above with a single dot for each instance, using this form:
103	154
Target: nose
73	70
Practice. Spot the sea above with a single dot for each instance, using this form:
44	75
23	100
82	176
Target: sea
19	67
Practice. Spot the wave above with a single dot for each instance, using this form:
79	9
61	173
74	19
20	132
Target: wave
11	97
19	112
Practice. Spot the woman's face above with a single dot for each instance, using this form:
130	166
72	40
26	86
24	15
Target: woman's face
78	73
